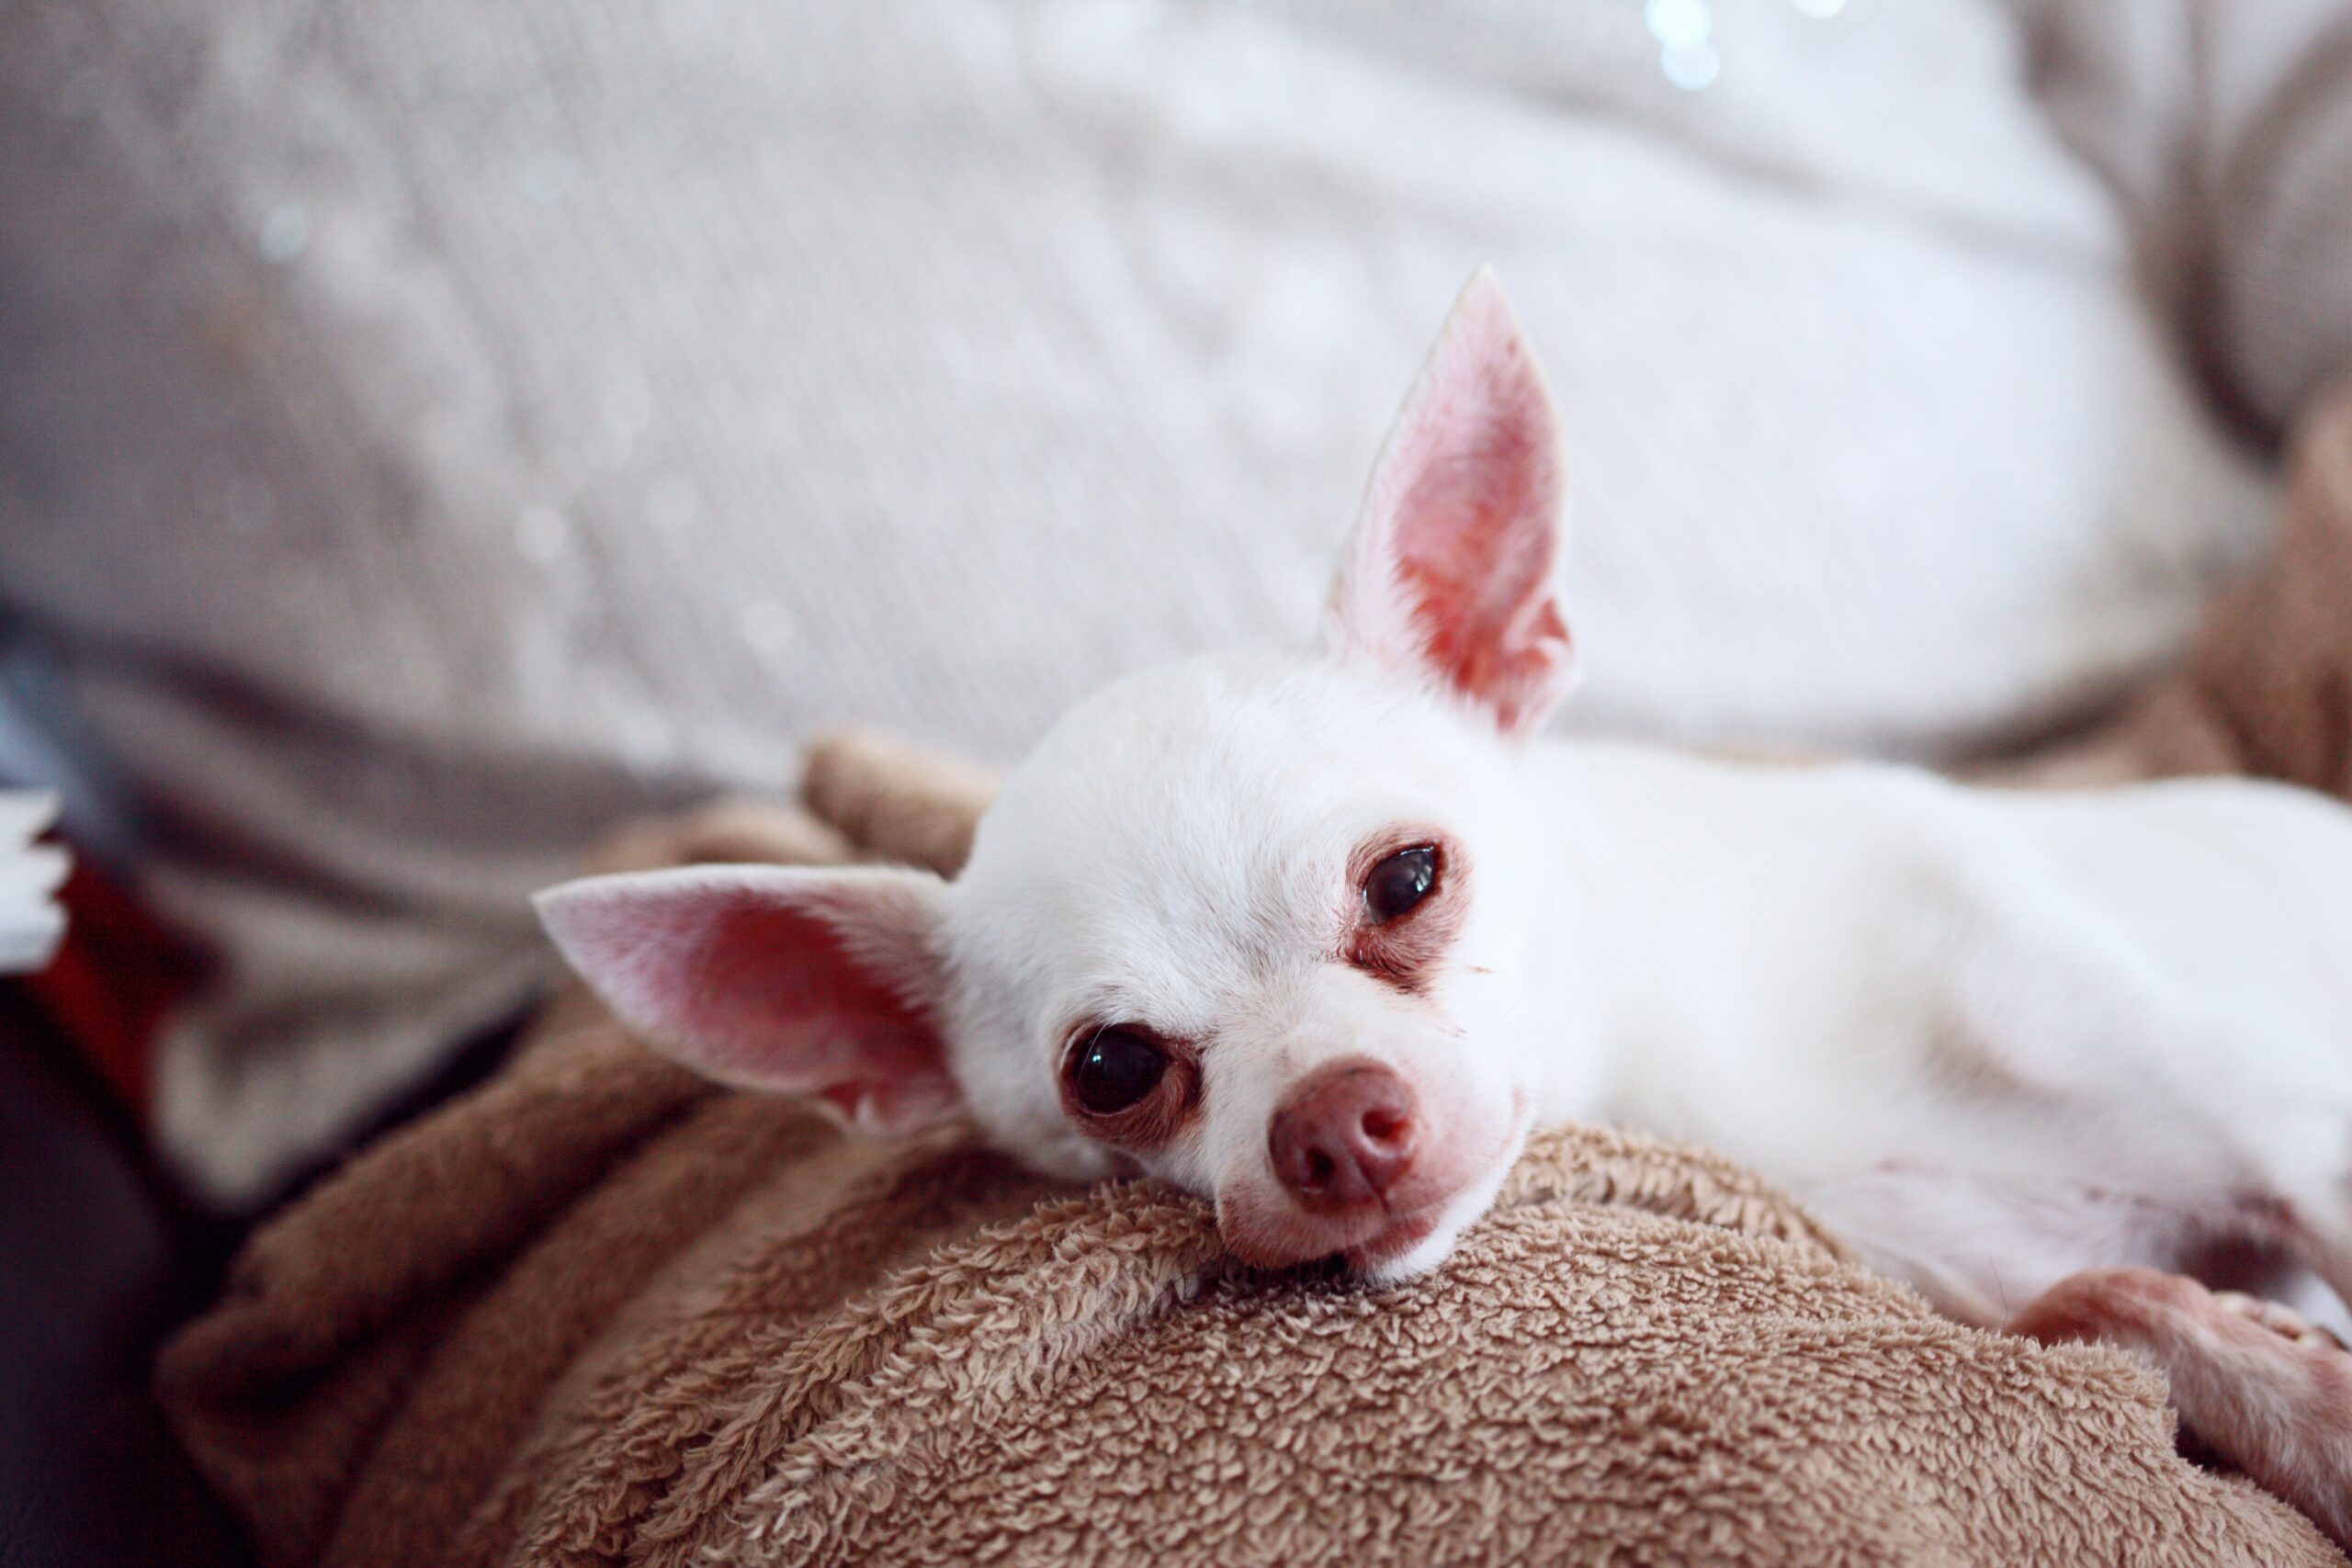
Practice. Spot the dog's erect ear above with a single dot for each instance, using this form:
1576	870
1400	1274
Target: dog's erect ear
821	983
1450	575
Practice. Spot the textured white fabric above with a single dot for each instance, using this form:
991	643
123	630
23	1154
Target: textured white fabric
30	921
2227	126
432	431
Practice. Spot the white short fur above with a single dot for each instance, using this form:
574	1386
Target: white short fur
1994	1038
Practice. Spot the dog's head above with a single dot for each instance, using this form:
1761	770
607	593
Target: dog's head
1256	924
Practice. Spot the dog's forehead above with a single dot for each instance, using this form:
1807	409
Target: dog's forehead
1223	763
1190	819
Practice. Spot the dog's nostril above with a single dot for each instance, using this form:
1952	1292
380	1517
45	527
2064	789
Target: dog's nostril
1344	1137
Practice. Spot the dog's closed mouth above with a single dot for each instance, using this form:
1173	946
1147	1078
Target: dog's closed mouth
1400	1237
1360	1243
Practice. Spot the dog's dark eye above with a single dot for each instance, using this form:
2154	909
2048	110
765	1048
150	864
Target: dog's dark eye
1401	881
1114	1070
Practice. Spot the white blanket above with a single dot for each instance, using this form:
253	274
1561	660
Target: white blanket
430	432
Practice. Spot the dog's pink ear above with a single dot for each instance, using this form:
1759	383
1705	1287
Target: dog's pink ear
1449	576
821	983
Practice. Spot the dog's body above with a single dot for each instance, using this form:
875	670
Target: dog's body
1991	1037
1995	1037
1322	935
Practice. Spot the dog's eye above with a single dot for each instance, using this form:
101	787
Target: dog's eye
1114	1070
1401	881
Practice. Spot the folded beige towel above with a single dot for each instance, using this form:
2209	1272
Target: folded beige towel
601	1312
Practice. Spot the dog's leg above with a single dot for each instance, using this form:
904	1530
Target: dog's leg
2315	1226
2256	1384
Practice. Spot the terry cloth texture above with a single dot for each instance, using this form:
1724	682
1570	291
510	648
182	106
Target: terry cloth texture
655	1323
602	1312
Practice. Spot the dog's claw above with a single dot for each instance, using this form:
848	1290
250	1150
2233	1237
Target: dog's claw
2281	1320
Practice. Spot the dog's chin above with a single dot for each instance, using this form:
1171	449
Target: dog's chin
1415	1243
1408	1248
1385	1249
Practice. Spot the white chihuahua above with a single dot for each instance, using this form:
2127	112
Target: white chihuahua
1322	935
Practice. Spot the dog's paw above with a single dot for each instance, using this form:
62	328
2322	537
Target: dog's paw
2254	1382
2280	1320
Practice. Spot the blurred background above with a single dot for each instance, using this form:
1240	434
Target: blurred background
433	434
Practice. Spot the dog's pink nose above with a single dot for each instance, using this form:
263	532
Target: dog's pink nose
1344	1136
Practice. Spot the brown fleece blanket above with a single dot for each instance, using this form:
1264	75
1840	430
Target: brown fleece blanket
600	1312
